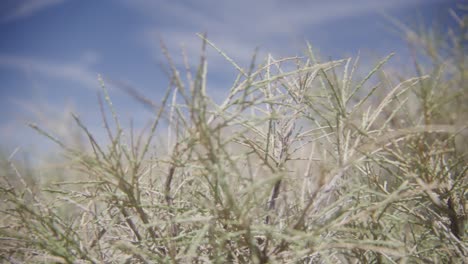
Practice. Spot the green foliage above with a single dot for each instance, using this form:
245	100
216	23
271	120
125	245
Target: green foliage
307	165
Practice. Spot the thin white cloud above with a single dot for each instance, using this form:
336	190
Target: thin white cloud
90	57
260	18
27	8
66	71
240	26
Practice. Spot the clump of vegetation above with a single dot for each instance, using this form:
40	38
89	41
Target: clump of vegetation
309	165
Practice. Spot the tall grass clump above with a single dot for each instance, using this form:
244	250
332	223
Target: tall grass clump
303	162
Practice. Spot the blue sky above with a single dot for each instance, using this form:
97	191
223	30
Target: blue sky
51	51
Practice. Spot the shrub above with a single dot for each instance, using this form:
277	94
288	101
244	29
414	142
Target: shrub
308	165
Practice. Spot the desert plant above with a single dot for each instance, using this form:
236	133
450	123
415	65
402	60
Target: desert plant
302	162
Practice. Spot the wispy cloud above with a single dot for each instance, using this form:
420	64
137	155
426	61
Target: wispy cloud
240	26
262	17
67	71
26	8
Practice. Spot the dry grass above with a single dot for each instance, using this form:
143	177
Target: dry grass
309	165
